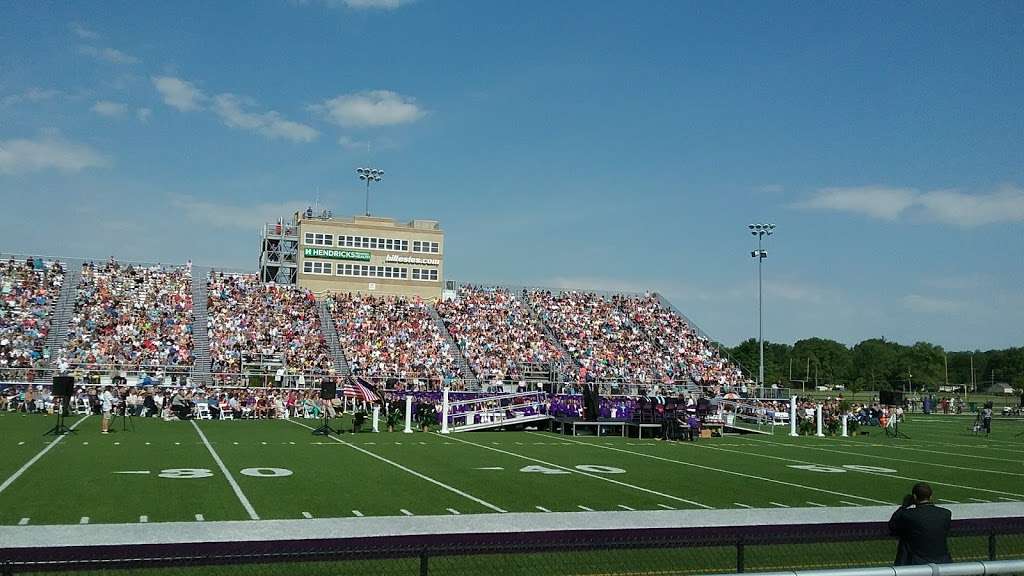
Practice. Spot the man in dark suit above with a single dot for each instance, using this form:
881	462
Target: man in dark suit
922	528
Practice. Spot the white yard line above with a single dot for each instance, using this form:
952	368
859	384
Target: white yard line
875	457
816	504
406	512
357	513
863	471
17	474
143	519
979	500
666	506
227	474
957	454
453	511
584	508
23	522
587	474
542	509
741	505
624	507
83	520
849	503
411	471
307	515
1007	499
741	474
777	504
200	518
948	501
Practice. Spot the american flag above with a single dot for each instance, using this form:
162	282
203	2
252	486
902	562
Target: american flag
355	389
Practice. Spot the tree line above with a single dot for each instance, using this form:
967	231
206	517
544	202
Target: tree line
878	364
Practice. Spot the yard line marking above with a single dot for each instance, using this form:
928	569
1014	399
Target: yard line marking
587	474
816	504
406	512
83	520
624	507
741	505
849	503
227	474
200	518
143	519
582	507
777	504
1007	499
453	511
958	454
666	507
85	443
979	500
542	509
23	522
862	471
949	501
132	472
117	443
17	474
22	443
307	515
411	471
357	513
876	457
147	443
235	443
741	474
177	443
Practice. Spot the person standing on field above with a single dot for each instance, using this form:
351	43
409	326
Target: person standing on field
106	407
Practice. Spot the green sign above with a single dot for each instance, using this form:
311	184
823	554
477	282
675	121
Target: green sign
335	254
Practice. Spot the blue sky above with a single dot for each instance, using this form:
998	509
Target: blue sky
615	145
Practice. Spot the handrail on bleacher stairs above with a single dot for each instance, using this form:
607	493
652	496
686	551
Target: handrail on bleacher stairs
724	545
493	411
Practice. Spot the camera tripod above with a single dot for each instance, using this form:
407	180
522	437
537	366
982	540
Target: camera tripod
895	430
126	417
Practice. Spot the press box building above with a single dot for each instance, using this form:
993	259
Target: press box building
364	254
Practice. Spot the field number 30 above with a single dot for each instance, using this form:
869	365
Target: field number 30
595	468
191	473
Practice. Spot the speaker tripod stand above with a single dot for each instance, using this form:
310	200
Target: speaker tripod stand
126	417
59	429
325	427
893	430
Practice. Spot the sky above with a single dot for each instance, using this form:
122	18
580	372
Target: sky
603	145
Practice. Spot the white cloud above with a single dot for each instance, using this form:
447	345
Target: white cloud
244	217
83	32
143	114
49	151
359	4
376	4
111	55
179	93
944	206
270	124
108	108
932	305
875	201
371	108
30	95
969	211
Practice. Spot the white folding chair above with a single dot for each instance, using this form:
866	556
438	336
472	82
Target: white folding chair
226	413
203	411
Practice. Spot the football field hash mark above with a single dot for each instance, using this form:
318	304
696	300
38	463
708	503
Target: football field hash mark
23	522
17	474
227	474
307	515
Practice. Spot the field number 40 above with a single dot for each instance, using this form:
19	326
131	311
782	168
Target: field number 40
844	468
595	468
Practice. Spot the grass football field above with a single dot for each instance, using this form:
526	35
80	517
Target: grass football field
208	471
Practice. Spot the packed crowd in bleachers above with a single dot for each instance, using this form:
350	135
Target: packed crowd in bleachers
681	350
131	316
601	337
384	337
28	291
249	321
495	332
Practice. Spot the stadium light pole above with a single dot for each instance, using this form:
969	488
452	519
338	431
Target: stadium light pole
761	231
369	175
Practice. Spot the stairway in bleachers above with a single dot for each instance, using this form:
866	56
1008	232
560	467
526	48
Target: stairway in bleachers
468	376
330	332
63	309
544	326
200	326
692	387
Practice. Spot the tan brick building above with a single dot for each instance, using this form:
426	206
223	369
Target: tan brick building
370	255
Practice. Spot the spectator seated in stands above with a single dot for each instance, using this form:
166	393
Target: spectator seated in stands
28	291
131	316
